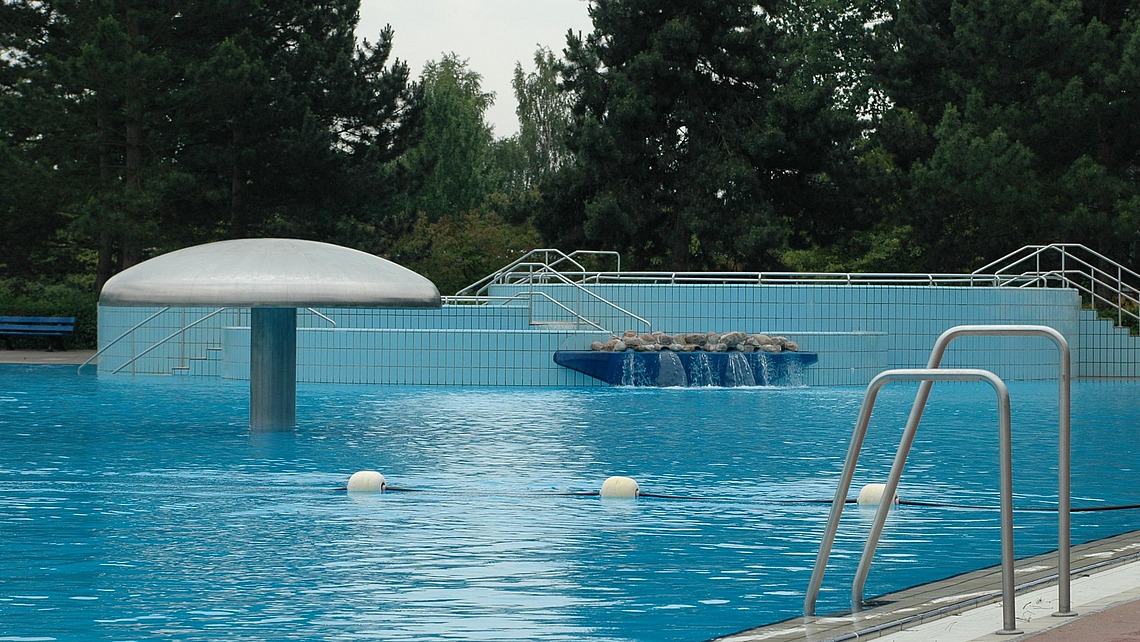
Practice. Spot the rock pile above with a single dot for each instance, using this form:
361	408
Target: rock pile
692	341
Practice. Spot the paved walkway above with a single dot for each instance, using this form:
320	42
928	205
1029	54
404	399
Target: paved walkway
71	357
1105	593
1115	624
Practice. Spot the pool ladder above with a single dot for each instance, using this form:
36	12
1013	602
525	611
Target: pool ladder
927	377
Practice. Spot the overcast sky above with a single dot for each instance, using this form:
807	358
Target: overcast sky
492	35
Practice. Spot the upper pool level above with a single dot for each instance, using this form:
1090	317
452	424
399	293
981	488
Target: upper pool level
505	329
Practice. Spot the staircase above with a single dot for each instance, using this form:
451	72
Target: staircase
1102	348
204	366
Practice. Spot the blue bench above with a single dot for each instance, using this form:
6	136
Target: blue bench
37	326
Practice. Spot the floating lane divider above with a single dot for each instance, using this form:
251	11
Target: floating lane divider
617	487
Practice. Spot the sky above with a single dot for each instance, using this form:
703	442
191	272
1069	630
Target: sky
492	35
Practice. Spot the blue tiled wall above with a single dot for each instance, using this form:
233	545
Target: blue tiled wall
857	331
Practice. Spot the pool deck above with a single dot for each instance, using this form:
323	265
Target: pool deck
1105	593
43	357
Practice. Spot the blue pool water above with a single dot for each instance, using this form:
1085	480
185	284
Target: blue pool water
144	509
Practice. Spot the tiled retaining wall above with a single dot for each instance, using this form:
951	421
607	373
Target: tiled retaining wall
857	331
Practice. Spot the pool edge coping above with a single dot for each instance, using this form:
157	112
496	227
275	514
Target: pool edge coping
894	612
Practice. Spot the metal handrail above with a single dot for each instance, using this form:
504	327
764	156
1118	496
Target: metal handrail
1063	446
616	255
775	278
542	273
1090	290
326	318
1006	481
456	299
1033	251
1070	253
120	338
495	276
530	309
530	297
891	486
176	333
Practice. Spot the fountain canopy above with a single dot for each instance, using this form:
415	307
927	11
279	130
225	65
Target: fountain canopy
270	273
272	277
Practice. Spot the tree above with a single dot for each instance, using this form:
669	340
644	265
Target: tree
30	216
1014	123
457	250
544	114
161	124
451	161
703	134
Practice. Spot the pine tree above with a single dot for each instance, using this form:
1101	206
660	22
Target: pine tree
703	134
1015	123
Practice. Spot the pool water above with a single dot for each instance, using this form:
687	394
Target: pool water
143	508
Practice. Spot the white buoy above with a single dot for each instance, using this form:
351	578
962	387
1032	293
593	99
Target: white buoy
624	487
872	495
366	481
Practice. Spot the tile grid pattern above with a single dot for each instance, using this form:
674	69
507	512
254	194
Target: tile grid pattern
858	331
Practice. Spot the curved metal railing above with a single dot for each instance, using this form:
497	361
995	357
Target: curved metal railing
927	376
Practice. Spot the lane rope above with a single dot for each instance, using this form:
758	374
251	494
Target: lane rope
787	502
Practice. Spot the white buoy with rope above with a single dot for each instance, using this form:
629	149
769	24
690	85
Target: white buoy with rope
366	481
620	487
872	495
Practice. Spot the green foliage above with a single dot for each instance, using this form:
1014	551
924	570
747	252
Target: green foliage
883	249
455	251
544	115
836	135
705	134
148	126
450	164
71	298
1016	125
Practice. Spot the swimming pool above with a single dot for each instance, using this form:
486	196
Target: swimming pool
143	507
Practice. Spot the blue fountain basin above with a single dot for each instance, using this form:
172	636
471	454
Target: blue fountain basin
690	369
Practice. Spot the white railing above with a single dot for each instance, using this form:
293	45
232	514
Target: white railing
1071	265
540	273
927	377
1103	282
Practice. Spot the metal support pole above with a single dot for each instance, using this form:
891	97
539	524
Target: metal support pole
273	368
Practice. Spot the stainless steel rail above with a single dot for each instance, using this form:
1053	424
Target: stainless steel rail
1006	483
529	297
891	486
1063	447
511	268
1076	265
168	338
120	338
323	316
541	273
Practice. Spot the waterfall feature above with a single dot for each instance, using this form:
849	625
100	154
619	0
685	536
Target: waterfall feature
691	369
738	372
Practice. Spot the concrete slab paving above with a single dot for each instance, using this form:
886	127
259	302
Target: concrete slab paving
1105	590
44	357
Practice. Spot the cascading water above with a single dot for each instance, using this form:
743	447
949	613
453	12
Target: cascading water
671	371
738	371
633	372
764	369
691	369
701	372
795	374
